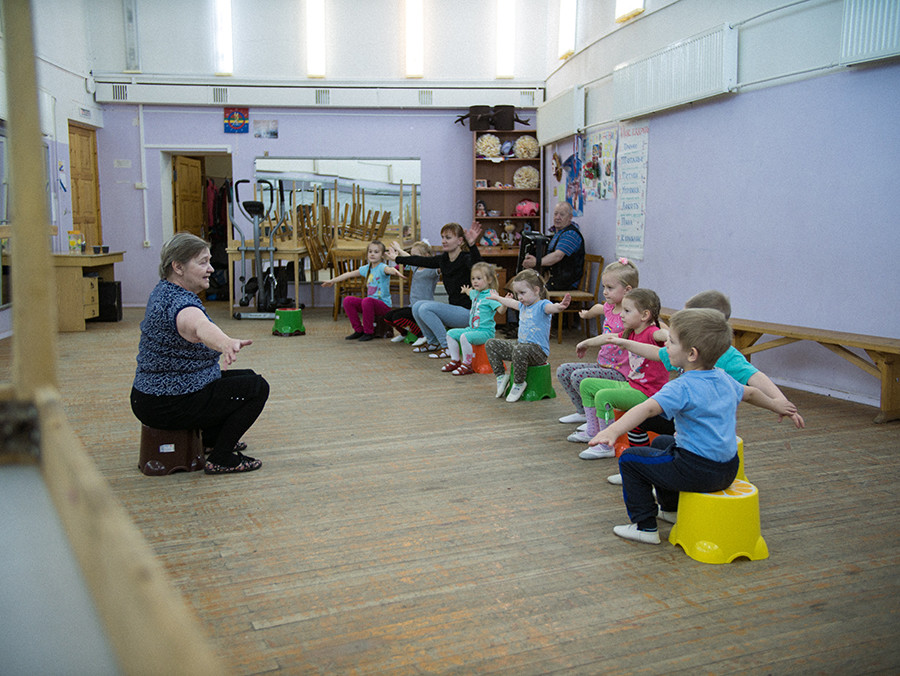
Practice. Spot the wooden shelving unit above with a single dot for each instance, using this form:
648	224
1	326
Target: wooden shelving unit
495	184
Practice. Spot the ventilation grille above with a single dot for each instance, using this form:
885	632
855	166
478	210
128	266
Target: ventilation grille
120	92
426	97
323	97
871	30
526	98
220	95
701	66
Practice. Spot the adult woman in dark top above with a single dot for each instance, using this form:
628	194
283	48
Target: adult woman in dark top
455	263
178	383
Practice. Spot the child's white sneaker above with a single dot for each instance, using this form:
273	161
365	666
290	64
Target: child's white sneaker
399	338
502	382
668	517
516	391
581	428
573	418
615	479
579	437
420	341
631	532
597	452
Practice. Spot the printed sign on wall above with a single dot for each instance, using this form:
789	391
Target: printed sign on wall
631	198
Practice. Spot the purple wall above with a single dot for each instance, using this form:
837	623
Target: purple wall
444	148
787	199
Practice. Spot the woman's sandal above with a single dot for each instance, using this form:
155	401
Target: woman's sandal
450	366
443	353
463	370
427	347
247	464
238	447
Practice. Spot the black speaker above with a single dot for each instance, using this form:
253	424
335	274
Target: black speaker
110	297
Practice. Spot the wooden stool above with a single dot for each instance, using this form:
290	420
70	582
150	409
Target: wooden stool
167	451
719	527
538	383
480	363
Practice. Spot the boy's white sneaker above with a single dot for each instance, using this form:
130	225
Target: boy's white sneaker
615	479
573	418
502	382
516	391
399	338
597	452
631	532
581	428
420	341
579	437
669	517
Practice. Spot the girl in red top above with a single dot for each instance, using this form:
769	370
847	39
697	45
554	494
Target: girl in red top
640	317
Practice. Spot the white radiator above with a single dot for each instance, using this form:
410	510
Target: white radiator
871	30
696	68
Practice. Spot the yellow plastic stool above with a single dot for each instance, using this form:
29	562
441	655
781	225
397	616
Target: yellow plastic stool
538	383
719	527
740	472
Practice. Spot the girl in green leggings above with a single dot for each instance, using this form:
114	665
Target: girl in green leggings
640	317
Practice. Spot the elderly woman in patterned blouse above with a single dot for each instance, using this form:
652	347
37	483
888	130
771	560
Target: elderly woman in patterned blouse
179	383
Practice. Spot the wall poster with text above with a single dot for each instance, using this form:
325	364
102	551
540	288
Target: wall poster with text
631	198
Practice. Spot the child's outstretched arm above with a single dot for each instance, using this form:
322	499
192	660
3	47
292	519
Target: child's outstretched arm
781	406
597	341
644	350
629	420
595	311
556	308
341	278
507	301
393	271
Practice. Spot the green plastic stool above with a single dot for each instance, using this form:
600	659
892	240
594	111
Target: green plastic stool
538	383
288	322
410	338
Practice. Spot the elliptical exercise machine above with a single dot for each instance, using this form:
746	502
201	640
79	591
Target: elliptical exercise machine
265	293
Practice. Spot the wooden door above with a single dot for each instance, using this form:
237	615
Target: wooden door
187	188
85	183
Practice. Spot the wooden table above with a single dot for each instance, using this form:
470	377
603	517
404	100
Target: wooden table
77	290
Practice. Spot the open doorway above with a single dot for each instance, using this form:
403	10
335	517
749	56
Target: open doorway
195	188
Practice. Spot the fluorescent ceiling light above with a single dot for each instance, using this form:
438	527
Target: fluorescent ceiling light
506	38
224	50
566	39
628	9
415	41
315	38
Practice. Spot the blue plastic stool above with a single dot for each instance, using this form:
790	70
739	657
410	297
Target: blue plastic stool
538	383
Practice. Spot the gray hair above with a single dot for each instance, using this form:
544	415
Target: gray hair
182	248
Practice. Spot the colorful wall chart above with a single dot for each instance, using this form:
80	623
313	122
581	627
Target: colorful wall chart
600	164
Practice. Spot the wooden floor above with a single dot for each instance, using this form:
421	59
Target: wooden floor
406	521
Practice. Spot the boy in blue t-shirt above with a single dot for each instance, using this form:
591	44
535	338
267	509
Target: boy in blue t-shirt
703	402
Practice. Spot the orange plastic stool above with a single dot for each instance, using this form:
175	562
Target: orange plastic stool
480	363
622	443
167	451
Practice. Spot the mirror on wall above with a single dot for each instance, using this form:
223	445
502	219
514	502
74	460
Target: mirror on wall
385	184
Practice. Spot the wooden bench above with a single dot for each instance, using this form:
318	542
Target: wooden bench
883	352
